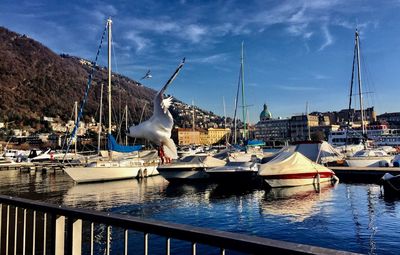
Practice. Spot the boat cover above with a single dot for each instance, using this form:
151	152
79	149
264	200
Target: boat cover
114	146
208	161
255	143
321	152
288	162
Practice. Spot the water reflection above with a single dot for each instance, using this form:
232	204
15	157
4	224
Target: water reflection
295	203
106	195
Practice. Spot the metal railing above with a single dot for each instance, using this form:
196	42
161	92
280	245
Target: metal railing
59	230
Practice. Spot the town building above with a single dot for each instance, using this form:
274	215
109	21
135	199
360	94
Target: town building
272	131
392	119
189	136
300	126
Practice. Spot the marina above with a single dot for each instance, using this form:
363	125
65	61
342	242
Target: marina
298	158
349	216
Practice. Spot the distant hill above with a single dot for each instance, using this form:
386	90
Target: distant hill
36	82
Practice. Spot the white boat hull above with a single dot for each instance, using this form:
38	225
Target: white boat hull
292	182
101	174
369	161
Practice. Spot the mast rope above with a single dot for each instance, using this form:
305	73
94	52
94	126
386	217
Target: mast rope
89	83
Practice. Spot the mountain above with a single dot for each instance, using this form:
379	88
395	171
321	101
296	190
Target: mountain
36	82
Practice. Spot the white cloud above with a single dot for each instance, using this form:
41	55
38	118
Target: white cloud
211	59
327	36
195	32
296	88
140	42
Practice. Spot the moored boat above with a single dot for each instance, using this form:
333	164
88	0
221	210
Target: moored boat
369	158
391	185
289	169
189	168
101	171
242	172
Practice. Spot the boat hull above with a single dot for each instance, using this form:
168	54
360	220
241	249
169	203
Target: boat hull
181	174
369	161
233	176
102	174
298	179
391	185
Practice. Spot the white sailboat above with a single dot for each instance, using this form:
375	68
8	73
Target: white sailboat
112	169
367	157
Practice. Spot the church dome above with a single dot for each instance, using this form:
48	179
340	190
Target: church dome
265	114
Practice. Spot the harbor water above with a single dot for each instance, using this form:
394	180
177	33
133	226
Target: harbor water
349	216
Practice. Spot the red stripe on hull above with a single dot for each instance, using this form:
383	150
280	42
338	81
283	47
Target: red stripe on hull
300	176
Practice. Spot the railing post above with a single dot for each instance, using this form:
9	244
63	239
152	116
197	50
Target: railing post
15	230
126	242
24	234
44	233
58	230
7	227
74	233
168	246
91	238
108	245
33	231
146	243
1	220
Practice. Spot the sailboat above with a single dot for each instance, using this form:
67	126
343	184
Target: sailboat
242	163
367	157
110	169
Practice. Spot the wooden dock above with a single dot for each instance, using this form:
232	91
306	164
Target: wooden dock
369	174
37	166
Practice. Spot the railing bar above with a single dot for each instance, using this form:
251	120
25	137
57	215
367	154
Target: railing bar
108	239
34	232
231	241
193	248
7	227
44	232
222	252
91	238
1	219
146	243
126	242
168	246
24	234
15	230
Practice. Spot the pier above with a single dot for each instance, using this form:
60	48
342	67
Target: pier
59	230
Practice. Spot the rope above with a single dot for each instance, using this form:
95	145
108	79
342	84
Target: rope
89	83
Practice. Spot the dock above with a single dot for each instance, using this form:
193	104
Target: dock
370	174
35	166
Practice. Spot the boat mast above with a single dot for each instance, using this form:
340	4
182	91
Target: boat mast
359	84
101	114
235	122
226	135
193	120
76	121
109	22
243	100
308	123
126	123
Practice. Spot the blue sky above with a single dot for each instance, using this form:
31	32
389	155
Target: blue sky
295	50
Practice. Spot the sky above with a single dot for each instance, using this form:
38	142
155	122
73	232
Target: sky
295	51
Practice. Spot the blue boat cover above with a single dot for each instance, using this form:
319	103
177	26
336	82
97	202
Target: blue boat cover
114	146
255	143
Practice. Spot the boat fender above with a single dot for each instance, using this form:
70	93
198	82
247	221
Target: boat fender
145	172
